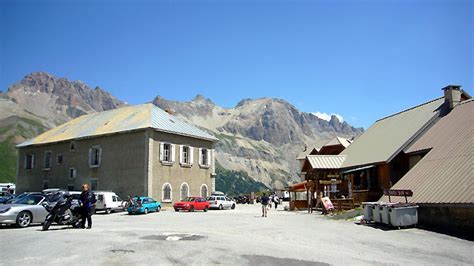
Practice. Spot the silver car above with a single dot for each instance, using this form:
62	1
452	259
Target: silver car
23	210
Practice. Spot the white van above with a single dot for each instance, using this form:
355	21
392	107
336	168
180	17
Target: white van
108	201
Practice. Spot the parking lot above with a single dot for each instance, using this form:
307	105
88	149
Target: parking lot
239	236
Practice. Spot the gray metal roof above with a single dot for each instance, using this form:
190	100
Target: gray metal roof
118	120
388	136
338	141
445	174
326	161
316	146
162	121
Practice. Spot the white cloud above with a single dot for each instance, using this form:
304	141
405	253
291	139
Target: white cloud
327	117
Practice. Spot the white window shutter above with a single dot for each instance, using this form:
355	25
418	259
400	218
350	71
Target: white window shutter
173	152
100	156
162	152
181	154
208	163
200	161
90	156
191	155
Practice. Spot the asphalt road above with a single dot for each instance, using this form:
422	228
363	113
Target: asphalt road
229	237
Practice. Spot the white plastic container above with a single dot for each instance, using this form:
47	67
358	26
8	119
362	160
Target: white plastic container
404	215
368	210
377	209
385	214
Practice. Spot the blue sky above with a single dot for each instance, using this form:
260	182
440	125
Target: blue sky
360	59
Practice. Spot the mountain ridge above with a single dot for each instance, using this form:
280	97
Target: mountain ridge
259	137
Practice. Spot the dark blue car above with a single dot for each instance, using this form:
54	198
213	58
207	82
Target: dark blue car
4	196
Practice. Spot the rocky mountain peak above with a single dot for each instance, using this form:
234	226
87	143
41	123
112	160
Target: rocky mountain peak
202	100
59	98
334	120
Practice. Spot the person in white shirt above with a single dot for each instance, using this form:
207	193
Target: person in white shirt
276	200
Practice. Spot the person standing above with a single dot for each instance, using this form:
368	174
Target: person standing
9	189
264	200
87	201
276	200
270	200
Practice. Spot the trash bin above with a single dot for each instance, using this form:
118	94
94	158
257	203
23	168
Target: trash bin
376	209
385	214
403	215
368	210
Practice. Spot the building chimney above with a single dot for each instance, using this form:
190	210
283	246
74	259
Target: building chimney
452	95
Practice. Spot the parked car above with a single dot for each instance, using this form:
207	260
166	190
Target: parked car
108	201
23	210
192	204
143	205
221	202
243	199
5	196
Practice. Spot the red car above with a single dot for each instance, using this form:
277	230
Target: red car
192	204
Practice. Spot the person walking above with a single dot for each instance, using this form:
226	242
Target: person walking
270	200
276	200
87	201
264	200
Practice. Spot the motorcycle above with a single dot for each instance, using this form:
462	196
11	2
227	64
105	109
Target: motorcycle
62	211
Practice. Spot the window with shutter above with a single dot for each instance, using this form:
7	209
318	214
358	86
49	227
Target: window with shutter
47	160
72	172
167	152
59	159
95	156
186	155
204	160
29	161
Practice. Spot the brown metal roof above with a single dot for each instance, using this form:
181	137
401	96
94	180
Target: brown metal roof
445	174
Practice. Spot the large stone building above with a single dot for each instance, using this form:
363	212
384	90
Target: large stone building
134	150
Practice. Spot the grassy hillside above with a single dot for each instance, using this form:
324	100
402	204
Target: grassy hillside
7	161
19	129
236	182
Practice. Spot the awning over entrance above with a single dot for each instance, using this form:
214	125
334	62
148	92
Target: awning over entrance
298	187
358	169
326	161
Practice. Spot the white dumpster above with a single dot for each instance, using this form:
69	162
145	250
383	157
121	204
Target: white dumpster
368	210
403	215
377	210
385	214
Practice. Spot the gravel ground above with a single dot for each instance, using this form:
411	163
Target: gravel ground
229	237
